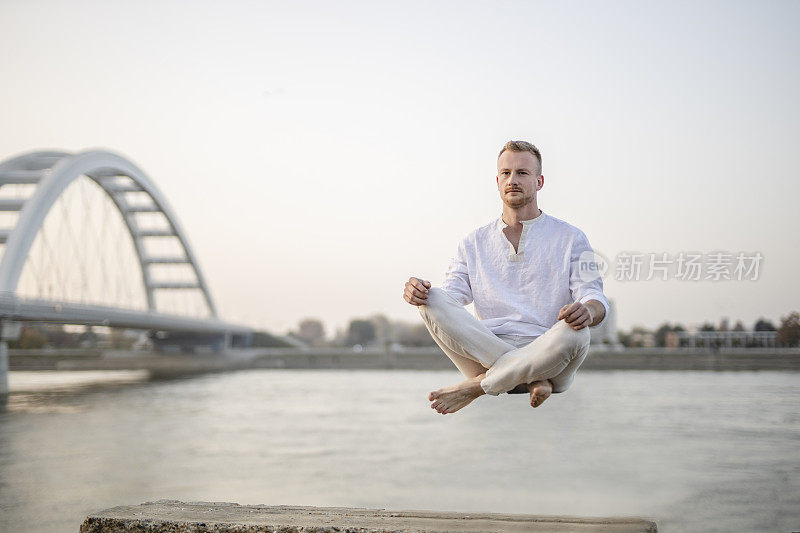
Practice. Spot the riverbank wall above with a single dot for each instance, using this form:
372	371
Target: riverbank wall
166	365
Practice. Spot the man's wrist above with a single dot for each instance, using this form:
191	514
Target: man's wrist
596	311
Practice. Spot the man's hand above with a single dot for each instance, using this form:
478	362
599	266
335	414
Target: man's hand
577	315
416	292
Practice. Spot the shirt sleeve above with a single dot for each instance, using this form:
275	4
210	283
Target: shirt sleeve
456	281
585	282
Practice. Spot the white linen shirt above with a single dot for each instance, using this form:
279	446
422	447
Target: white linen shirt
522	292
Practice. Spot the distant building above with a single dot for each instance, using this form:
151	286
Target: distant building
722	339
672	339
641	338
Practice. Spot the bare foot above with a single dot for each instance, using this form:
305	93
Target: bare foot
451	399
540	391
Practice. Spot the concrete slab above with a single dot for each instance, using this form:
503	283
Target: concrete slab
196	517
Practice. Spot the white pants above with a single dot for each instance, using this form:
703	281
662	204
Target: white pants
474	349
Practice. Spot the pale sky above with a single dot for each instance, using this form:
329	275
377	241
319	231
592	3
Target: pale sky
318	153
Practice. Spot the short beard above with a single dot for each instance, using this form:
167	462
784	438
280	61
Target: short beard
516	203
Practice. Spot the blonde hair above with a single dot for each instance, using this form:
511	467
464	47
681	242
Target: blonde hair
522	146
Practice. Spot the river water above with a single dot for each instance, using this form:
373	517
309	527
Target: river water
695	451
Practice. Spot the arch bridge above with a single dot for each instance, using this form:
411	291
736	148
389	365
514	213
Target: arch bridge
137	278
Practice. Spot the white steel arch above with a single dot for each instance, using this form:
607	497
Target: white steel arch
52	172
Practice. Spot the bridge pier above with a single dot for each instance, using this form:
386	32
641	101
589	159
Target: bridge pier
3	368
9	330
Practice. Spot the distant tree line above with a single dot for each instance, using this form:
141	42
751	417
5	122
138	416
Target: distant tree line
376	330
39	336
788	332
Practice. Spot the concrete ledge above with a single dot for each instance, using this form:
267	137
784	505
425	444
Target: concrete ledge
196	517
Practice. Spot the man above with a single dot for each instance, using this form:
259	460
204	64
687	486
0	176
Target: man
533	302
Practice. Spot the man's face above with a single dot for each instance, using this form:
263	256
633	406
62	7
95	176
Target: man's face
518	178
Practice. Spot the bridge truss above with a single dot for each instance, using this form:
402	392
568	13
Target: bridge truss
87	238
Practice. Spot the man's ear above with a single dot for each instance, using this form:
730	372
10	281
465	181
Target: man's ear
541	181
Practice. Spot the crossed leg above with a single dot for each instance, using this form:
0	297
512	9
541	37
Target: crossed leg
493	366
451	399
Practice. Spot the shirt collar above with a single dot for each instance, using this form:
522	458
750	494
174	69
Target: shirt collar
501	225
